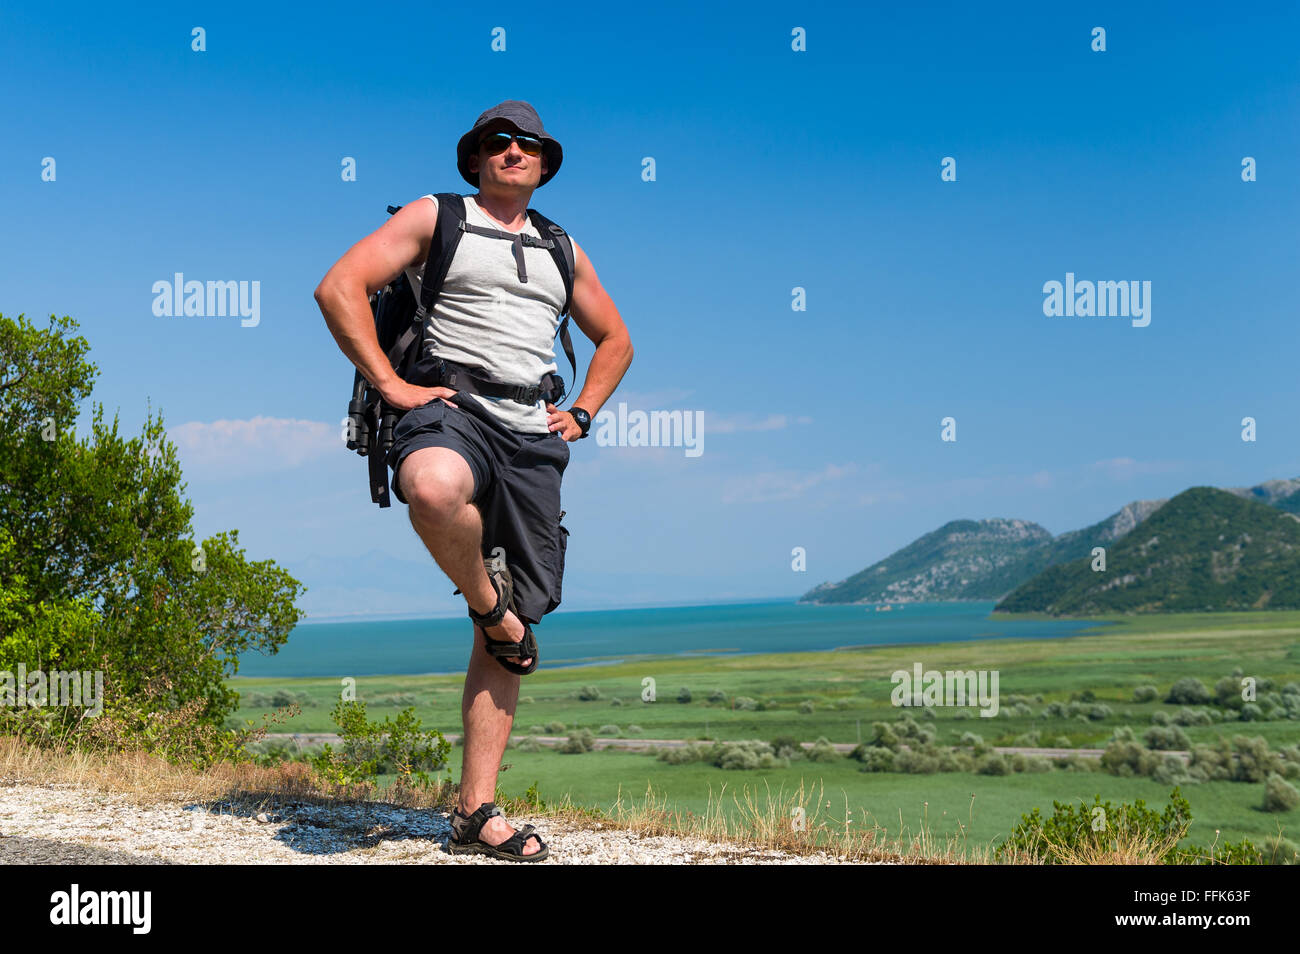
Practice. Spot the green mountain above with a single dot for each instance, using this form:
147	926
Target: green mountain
975	560
988	559
1206	549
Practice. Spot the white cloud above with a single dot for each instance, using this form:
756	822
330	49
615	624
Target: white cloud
780	484
222	449
1126	468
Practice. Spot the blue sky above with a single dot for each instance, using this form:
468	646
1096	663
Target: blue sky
775	169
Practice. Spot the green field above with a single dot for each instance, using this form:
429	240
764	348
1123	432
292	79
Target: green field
849	690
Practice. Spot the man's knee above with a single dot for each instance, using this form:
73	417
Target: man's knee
436	482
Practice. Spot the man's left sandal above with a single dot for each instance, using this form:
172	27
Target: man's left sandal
465	838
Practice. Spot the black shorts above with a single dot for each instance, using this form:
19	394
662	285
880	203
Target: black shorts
516	489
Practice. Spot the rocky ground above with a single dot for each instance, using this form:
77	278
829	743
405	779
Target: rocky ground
66	824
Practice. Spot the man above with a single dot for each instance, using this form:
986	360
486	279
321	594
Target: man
482	474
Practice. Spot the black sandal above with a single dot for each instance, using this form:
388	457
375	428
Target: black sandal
465	837
503	650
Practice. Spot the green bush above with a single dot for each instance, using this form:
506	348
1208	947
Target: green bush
634	729
1189	691
1077	828
1281	851
556	728
1166	738
717	695
806	707
993	764
392	747
683	695
588	693
822	751
1279	795
1146	694
608	729
875	759
578	742
745	704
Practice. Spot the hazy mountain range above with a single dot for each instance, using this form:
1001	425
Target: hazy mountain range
1249	558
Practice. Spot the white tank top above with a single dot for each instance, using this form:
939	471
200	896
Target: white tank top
486	318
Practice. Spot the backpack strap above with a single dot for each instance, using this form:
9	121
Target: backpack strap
562	252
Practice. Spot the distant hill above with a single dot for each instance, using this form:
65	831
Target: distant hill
975	560
988	559
1206	549
964	559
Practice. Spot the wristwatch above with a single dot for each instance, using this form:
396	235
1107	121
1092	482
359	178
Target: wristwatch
583	419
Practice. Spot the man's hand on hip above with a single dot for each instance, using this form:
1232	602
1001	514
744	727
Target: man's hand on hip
404	396
562	422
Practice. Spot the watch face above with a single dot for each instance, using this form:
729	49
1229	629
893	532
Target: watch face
582	417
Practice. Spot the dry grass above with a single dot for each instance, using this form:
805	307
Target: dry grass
763	821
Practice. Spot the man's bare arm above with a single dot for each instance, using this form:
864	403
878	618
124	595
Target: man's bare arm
594	312
344	297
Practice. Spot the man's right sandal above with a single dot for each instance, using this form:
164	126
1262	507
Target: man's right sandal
503	650
465	837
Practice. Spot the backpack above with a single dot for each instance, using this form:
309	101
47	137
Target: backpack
400	323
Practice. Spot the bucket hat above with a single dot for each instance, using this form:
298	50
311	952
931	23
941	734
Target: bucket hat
526	120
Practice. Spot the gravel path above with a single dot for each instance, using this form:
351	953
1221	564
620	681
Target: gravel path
66	824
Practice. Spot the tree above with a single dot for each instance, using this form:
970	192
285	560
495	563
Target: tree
98	565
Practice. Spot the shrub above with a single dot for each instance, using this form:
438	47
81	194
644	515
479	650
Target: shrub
578	742
1189	691
917	761
1186	716
608	729
1281	851
1027	740
529	744
634	729
806	707
555	728
1166	738
588	693
787	747
1145	694
1126	756
1160	717
1063	742
745	704
1238	760
616	701
883	736
876	759
993	764
1227	693
1099	712
822	751
683	695
717	695
1279	795
1086	829
1250	712
392	747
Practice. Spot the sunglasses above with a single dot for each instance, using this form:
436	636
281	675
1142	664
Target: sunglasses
499	142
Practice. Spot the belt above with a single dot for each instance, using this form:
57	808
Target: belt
460	378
